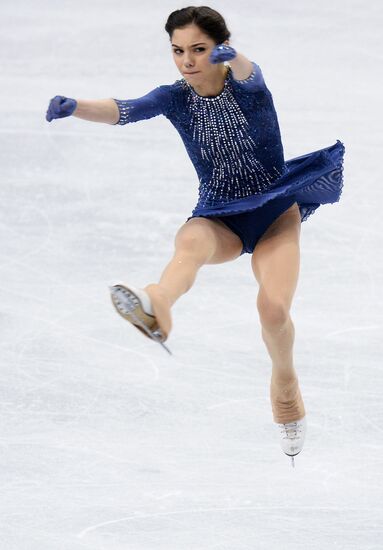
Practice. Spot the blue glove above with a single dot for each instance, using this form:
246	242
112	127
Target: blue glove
222	53
60	107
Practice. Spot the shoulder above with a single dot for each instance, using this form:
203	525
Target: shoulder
169	90
173	96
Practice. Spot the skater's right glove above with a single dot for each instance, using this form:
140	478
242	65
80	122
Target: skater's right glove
60	107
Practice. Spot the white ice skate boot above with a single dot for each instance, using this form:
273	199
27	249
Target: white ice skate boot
292	437
134	305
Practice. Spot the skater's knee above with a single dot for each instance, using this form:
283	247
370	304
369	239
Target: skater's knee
273	312
196	242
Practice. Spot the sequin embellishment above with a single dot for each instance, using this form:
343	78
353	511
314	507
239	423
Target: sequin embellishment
123	107
223	134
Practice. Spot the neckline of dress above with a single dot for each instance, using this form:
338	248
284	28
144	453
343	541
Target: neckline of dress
211	97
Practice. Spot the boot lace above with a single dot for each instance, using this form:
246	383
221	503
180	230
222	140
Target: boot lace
291	429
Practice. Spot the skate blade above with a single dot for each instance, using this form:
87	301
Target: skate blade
152	335
127	304
292	458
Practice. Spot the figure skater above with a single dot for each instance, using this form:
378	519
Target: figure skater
250	200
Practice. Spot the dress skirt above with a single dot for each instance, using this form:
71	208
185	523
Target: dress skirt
312	179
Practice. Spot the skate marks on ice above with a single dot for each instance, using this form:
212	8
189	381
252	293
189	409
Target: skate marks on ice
210	527
353	329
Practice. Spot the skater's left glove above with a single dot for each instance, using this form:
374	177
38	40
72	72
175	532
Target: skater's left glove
222	53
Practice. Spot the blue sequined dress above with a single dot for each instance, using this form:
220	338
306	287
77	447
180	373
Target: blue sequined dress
234	142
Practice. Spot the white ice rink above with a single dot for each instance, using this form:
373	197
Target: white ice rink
109	443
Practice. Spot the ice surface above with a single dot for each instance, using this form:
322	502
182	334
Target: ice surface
107	442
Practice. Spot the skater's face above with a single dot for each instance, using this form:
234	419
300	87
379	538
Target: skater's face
191	49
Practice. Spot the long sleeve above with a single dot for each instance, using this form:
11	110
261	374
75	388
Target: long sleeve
152	104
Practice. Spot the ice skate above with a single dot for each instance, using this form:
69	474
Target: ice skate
136	306
292	437
289	416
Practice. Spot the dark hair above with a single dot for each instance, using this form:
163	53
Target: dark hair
209	21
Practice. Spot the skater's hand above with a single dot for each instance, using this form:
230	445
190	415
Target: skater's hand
60	107
221	53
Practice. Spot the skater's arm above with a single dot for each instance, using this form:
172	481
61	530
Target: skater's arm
246	74
112	111
154	103
97	110
253	82
241	66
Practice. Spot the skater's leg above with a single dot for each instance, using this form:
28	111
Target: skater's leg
199	241
275	263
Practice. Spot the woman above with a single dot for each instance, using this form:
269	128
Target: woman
250	199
